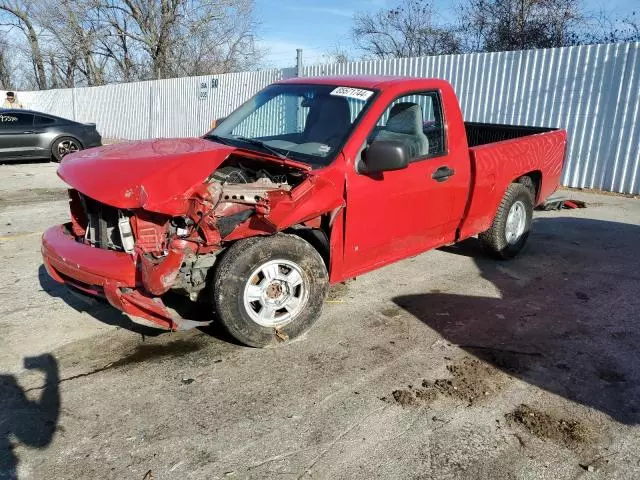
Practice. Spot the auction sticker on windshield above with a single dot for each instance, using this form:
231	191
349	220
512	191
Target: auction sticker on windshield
350	92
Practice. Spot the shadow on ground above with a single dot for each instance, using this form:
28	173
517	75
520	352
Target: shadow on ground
30	422
99	309
102	311
567	317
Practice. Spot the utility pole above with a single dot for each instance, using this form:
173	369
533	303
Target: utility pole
298	62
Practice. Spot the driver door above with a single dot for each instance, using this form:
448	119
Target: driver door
396	214
18	139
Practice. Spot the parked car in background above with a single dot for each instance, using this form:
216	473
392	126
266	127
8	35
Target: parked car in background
29	135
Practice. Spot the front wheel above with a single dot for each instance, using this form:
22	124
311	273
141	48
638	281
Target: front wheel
269	290
510	228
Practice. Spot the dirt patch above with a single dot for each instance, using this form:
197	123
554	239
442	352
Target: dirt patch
33	195
569	433
471	381
391	312
405	397
337	292
414	397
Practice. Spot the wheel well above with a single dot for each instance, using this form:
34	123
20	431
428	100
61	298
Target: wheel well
316	237
533	180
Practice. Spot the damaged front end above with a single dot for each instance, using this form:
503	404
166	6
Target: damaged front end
174	250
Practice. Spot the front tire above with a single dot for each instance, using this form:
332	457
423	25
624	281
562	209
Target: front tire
511	226
269	290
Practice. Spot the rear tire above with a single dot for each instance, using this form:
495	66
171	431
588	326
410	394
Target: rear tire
64	146
511	226
269	290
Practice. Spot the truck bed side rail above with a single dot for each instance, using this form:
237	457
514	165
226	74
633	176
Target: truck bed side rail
483	133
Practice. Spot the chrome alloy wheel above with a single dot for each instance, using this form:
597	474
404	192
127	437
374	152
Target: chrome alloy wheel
516	222
66	147
275	293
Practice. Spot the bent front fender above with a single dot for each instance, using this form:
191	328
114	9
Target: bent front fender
315	196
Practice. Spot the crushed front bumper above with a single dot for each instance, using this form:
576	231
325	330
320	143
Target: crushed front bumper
108	274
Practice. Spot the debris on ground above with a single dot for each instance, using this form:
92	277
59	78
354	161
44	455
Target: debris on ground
471	381
571	204
569	433
280	335
558	202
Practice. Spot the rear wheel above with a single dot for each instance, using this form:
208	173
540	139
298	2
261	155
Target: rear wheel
510	228
64	146
269	290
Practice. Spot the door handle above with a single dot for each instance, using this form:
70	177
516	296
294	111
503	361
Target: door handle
443	173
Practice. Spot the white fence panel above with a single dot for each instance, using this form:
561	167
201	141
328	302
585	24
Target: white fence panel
593	91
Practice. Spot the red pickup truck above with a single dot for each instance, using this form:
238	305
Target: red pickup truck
311	182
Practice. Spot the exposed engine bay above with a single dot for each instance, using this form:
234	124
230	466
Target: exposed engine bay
241	187
234	202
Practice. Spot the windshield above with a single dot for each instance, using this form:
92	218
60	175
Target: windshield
308	123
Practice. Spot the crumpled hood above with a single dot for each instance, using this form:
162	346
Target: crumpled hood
156	175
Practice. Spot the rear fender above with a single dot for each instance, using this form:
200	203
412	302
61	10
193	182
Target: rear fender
497	165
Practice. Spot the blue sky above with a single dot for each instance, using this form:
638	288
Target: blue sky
317	26
313	25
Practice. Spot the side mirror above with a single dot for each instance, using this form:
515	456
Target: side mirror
385	155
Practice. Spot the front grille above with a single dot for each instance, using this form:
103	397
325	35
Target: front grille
102	229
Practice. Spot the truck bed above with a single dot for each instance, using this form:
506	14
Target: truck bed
483	133
501	153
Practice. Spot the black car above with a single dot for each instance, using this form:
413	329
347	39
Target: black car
27	135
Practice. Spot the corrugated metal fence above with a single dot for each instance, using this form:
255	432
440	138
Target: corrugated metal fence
592	91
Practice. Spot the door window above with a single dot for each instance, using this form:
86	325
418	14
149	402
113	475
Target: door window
416	120
44	120
8	120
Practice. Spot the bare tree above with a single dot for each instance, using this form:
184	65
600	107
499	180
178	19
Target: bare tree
72	41
93	42
338	54
498	25
6	79
605	28
410	29
223	41
179	37
19	14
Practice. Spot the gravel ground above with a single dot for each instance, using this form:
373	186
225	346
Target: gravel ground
448	365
